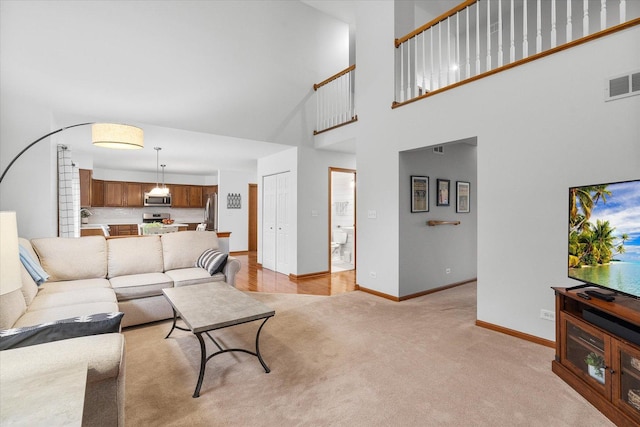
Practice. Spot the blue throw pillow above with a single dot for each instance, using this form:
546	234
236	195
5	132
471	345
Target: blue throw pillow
212	260
94	324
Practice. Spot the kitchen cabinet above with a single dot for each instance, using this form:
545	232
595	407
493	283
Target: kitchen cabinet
123	230
114	193
186	196
614	385
206	191
97	193
85	187
134	194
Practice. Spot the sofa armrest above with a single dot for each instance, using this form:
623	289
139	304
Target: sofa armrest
230	269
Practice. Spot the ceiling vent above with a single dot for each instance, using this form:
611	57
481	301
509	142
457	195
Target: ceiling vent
439	149
622	86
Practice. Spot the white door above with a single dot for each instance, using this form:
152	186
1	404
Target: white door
282	223
269	222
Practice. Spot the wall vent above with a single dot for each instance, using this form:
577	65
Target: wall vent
439	149
622	86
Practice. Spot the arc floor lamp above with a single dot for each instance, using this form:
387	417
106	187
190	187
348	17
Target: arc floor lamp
109	135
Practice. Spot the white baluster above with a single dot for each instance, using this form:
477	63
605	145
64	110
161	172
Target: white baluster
512	34
415	68
432	83
553	23
477	38
623	11
424	63
468	60
538	28
409	96
488	35
402	98
525	42
569	22
603	15
457	74
448	75
500	53
440	78
585	18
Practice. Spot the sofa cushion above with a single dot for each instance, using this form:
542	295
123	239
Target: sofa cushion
12	306
73	285
79	296
134	255
52	314
192	276
212	260
182	249
72	258
140	285
29	287
95	324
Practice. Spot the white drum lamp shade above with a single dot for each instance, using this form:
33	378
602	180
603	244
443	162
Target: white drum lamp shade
111	135
10	274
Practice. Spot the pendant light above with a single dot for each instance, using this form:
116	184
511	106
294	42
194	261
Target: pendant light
164	186
158	191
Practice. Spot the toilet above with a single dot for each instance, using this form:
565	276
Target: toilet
338	239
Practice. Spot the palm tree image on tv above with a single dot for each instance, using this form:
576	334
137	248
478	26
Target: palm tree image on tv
591	244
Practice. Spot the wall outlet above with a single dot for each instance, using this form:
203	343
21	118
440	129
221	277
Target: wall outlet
548	315
372	214
314	212
373	274
447	270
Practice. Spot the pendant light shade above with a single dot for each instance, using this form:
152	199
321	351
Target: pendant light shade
110	135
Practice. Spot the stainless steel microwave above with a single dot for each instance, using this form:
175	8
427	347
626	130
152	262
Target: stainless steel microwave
153	200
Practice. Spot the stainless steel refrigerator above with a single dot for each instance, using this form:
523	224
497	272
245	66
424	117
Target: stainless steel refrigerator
211	213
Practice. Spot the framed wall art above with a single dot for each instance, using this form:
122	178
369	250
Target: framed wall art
419	194
462	196
443	192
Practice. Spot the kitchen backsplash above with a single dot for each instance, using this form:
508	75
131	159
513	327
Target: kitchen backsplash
134	215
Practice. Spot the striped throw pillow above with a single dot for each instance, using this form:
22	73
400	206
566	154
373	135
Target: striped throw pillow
212	260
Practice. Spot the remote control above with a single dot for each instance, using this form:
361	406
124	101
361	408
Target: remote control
583	295
601	295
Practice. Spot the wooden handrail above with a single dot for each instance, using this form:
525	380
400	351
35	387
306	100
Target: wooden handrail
432	223
335	76
433	22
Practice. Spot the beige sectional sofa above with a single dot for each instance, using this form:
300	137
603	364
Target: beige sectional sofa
90	275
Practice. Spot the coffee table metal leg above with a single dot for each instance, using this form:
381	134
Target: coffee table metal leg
175	316
203	364
264	365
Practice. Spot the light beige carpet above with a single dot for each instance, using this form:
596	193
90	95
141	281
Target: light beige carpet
353	360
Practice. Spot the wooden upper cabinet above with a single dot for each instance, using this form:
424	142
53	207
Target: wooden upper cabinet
179	196
206	191
85	187
114	193
195	196
134	195
97	193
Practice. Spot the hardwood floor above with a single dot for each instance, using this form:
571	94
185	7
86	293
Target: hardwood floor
252	278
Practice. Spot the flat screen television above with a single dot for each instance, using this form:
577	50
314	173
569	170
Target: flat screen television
604	236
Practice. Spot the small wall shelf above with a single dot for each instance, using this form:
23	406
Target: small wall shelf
432	223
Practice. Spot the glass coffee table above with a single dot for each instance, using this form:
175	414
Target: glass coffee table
216	305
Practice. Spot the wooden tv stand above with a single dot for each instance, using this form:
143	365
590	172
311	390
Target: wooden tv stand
614	390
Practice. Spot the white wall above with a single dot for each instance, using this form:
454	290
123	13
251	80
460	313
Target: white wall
137	176
540	128
427	252
29	188
313	206
235	220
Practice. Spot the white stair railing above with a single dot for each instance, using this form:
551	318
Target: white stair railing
335	100
494	34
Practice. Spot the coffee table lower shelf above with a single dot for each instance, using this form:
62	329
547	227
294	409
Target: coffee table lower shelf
211	306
